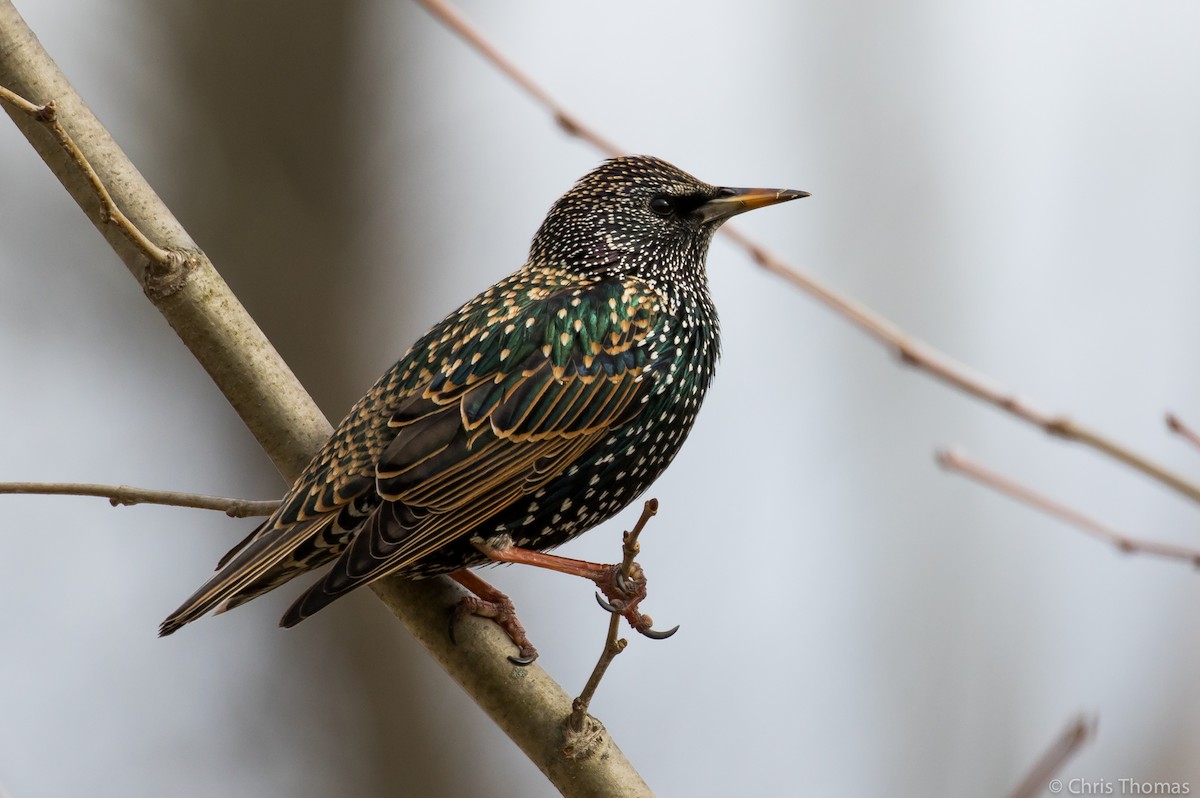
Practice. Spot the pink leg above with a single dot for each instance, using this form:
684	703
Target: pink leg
488	602
624	593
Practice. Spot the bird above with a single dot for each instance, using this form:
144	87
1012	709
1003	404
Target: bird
527	416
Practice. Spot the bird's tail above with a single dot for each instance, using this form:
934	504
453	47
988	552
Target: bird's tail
251	568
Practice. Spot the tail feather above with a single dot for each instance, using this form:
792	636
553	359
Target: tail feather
252	561
246	541
310	601
337	581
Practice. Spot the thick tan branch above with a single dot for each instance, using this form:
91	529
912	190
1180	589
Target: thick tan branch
208	318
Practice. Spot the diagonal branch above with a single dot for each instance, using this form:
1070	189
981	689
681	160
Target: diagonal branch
960	463
1078	733
529	706
910	350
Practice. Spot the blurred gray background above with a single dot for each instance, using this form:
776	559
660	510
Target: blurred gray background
1014	182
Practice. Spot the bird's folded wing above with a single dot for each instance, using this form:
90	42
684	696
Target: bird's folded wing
513	406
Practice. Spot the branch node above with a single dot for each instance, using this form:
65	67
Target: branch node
568	125
584	736
1010	403
47	113
946	458
164	277
1059	427
907	353
1177	425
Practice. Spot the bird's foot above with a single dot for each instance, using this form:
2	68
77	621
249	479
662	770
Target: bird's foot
623	594
488	602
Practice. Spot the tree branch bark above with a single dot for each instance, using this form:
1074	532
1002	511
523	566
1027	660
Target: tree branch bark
212	323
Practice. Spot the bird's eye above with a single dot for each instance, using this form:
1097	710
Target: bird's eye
662	206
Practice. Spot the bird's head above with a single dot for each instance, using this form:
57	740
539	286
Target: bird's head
639	215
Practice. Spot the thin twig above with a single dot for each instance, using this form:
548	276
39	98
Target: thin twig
47	114
910	350
961	463
1176	425
582	728
582	733
118	495
1080	731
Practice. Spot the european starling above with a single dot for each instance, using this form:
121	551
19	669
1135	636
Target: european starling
532	413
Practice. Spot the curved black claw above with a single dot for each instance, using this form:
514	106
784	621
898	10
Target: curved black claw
656	635
523	661
606	605
450	629
621	583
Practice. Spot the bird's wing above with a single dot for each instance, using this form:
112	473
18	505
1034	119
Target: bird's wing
512	405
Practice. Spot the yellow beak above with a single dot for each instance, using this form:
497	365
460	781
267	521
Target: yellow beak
732	201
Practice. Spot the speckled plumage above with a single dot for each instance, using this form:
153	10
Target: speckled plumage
539	408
